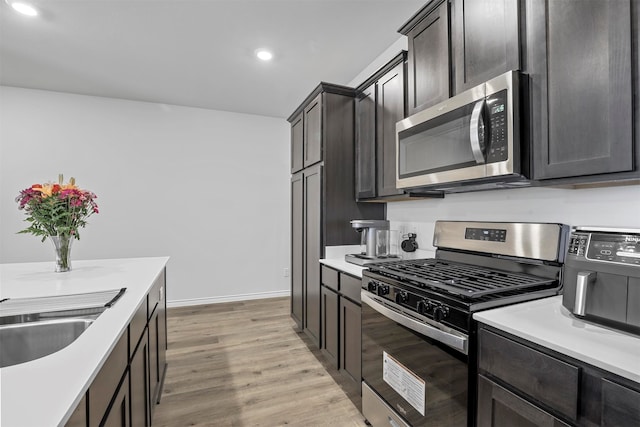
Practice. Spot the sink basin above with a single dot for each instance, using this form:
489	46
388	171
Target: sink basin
31	328
23	342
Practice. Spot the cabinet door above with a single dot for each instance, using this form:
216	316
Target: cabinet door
105	385
620	405
312	250
156	367
139	377
498	407
119	413
330	325
580	83
486	40
297	141
297	255
162	339
390	110
366	143
79	416
350	341
429	60
312	124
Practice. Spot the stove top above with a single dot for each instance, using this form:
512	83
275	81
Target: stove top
462	280
478	265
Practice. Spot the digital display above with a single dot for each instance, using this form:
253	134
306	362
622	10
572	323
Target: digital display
619	248
486	234
497	109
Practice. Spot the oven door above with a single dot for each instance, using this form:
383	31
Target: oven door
423	380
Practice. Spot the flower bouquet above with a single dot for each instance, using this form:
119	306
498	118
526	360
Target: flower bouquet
57	211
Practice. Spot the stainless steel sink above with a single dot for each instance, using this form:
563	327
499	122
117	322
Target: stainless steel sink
23	342
31	328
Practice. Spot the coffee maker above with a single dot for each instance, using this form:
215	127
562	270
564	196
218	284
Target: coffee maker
373	248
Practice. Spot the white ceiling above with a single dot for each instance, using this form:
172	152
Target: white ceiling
197	53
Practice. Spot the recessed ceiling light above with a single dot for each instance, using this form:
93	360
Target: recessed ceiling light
264	54
24	8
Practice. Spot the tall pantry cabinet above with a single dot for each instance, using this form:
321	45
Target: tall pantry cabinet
322	194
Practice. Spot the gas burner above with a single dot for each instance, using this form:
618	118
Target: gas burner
463	280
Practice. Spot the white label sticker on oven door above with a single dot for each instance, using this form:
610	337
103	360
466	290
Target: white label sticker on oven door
404	382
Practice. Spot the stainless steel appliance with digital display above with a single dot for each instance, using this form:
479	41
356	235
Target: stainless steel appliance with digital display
470	139
602	276
419	362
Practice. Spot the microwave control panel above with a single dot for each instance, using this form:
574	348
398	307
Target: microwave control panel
498	147
608	247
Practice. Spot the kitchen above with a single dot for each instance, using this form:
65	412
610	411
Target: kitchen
84	134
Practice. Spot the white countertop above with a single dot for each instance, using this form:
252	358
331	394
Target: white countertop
45	391
334	258
547	323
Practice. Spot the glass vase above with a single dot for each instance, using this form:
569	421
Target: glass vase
62	246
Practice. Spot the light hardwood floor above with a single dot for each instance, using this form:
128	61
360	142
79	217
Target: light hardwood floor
243	364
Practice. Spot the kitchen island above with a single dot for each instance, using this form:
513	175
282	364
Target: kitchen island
46	391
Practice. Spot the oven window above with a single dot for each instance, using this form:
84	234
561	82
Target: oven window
443	370
440	144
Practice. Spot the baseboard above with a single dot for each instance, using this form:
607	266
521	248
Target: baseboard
227	298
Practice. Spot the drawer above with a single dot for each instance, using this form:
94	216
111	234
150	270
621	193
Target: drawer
330	278
136	327
544	378
156	294
350	287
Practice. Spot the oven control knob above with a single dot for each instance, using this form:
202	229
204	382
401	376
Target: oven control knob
401	297
423	306
372	286
440	313
383	290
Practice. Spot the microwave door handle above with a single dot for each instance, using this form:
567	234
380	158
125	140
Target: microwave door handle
476	124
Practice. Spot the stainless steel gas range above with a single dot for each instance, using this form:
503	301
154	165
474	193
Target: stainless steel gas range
418	335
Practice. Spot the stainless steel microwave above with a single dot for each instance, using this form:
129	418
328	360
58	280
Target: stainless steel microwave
469	139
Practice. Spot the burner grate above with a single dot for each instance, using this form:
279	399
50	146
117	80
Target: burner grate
467	281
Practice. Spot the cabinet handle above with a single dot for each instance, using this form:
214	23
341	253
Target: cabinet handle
583	280
477	123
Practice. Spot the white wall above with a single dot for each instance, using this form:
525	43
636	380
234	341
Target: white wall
208	188
612	206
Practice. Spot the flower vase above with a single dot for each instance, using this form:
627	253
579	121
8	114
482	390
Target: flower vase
62	245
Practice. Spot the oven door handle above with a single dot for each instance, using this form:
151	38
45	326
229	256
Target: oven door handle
456	342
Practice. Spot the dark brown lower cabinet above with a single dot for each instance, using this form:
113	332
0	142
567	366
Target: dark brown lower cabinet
351	341
498	407
330	329
524	384
79	416
341	332
105	385
139	374
119	414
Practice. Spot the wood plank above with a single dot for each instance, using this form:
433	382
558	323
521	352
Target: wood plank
244	364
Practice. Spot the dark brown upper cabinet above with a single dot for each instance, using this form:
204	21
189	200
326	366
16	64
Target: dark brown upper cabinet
390	109
366	142
380	104
581	86
486	40
297	142
429	59
312	125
